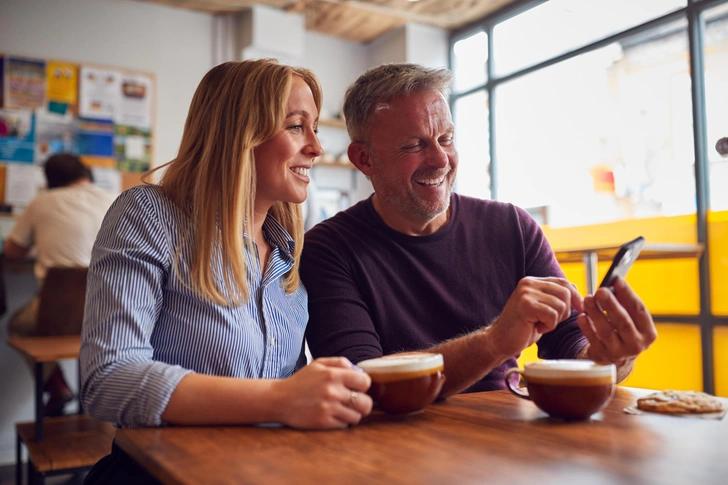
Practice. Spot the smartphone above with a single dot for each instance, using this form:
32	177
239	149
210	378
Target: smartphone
623	260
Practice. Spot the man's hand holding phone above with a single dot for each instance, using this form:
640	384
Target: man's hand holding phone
615	320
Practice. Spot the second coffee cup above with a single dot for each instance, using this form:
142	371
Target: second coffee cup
405	383
567	389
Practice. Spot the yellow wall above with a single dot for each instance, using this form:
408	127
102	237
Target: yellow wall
667	287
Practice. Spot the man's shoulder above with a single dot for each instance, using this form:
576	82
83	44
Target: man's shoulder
474	207
343	221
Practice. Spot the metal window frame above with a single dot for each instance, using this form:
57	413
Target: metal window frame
693	13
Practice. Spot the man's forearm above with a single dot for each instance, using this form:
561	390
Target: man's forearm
467	360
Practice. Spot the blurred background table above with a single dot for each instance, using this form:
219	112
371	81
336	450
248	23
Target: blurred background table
492	437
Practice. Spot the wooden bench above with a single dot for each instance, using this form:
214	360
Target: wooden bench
70	444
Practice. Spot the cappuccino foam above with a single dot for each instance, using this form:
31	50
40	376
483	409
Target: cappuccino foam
402	366
570	373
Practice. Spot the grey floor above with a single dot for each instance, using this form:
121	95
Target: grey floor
7	476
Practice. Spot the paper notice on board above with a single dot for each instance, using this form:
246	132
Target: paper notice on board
136	102
17	136
134	147
62	78
25	83
108	179
22	183
99	93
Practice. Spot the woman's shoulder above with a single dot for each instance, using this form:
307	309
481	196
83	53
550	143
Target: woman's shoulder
148	196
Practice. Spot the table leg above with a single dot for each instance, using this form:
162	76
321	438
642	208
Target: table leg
591	263
38	401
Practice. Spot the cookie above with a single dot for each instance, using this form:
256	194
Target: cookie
680	402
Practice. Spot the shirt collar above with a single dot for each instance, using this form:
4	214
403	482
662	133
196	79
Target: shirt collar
277	236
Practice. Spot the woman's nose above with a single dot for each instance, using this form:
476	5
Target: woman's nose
314	146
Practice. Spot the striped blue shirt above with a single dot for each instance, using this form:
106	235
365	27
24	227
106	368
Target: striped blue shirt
144	328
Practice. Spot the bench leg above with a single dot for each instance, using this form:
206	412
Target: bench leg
31	472
78	393
39	413
18	461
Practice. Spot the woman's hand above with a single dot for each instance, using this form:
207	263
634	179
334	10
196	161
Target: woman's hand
328	393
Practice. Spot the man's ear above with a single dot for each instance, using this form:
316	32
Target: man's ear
359	156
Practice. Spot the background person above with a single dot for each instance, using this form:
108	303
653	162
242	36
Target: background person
61	223
416	267
195	313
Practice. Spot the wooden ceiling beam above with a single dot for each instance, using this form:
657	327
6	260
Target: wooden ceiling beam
392	12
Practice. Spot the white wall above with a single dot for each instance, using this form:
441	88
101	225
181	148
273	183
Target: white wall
390	47
427	46
173	44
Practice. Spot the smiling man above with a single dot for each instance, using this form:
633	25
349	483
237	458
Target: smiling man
417	267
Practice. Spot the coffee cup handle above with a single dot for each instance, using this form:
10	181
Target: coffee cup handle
515	370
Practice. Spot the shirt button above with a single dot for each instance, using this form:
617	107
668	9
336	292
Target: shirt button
272	340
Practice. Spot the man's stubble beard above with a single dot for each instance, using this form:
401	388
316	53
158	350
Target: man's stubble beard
412	206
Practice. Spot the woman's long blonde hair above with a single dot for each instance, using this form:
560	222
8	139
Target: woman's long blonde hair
237	106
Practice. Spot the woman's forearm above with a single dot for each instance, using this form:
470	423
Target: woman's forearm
204	399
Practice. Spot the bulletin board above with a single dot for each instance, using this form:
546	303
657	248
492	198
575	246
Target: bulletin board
103	114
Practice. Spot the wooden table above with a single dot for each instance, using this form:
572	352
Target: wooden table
491	437
40	350
591	256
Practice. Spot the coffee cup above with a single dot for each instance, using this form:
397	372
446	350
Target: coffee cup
567	389
405	383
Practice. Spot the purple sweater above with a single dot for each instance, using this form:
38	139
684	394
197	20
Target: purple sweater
374	291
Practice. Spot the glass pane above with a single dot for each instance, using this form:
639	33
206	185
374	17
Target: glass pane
601	137
716	97
471	139
559	26
469	58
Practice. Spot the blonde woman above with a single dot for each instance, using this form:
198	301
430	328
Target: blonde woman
195	313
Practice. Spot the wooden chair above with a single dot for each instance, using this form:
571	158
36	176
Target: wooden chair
62	298
65	444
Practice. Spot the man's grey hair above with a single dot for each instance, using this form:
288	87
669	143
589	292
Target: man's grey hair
383	83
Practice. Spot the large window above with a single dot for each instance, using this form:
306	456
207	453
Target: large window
716	95
471	135
603	136
597	131
469	61
558	26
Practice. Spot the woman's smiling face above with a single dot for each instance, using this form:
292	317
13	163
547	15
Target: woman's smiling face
282	163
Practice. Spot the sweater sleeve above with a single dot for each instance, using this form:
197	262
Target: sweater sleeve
340	323
566	340
121	382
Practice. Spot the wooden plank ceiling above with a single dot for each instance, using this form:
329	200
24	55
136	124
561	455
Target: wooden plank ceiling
360	20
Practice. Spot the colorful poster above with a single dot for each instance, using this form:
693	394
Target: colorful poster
136	102
62	82
53	134
17	136
133	148
25	83
99	93
95	137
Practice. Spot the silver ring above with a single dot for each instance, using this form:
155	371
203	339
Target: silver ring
353	398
